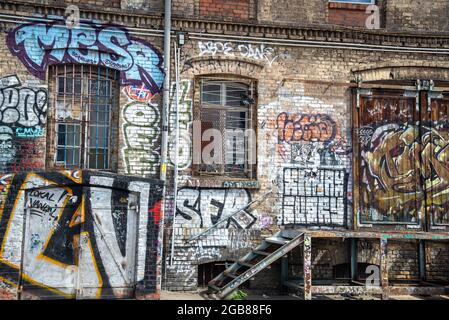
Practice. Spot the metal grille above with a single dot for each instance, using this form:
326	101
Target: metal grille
84	97
225	107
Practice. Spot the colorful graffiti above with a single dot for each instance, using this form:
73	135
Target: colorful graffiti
305	127
395	161
138	93
205	207
75	234
39	45
141	132
314	197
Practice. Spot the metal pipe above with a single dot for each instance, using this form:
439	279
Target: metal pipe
175	162
165	112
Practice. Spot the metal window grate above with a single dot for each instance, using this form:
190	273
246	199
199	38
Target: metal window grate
225	107
84	99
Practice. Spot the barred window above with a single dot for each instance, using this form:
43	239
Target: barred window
226	106
84	99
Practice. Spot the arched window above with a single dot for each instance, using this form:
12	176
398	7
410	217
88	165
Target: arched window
83	115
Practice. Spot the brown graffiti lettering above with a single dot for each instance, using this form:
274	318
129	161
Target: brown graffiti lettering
305	127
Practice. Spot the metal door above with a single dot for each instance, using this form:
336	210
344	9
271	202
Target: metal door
435	155
48	267
387	172
402	158
107	245
79	243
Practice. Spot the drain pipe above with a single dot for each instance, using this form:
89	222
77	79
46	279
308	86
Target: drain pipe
165	114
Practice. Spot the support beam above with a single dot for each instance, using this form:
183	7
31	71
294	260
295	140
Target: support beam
354	252
307	265
384	267
422	260
284	271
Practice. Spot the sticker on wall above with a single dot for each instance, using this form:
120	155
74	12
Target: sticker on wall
138	93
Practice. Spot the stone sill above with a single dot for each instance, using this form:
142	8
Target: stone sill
221	182
348	6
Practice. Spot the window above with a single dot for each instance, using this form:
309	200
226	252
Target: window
226	113
84	100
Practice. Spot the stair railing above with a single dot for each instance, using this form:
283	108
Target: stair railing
249	204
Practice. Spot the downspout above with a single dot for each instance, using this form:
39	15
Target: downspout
165	114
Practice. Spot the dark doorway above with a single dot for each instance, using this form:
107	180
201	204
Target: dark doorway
208	271
343	271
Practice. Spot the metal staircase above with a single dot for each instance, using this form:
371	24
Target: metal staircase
270	250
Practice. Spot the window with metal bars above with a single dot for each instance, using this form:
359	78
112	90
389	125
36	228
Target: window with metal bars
227	107
85	99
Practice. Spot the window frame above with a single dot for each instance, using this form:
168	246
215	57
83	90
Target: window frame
226	81
84	103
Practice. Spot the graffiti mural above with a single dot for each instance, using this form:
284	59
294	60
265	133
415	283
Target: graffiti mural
141	132
205	207
23	114
395	161
314	197
39	45
22	108
75	234
184	122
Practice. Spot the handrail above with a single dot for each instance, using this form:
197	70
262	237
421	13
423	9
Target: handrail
262	197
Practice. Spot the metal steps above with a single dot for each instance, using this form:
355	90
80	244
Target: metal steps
270	250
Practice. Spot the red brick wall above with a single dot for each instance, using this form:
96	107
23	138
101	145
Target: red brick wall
347	14
225	8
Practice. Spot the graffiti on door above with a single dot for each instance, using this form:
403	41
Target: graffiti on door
80	236
395	161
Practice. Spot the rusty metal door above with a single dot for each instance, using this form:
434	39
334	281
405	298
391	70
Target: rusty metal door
387	170
435	155
402	158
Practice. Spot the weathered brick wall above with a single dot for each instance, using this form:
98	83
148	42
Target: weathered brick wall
437	257
294	84
25	102
225	8
417	15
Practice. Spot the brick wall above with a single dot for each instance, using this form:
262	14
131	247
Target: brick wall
295	85
225	8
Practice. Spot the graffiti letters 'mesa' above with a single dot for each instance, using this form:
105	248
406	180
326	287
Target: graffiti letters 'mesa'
39	45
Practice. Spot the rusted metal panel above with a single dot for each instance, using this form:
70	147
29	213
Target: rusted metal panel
362	234
356	290
415	290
